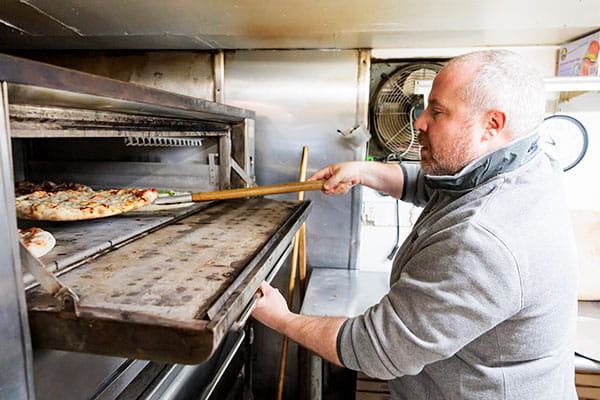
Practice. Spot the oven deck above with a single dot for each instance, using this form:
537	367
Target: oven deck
172	293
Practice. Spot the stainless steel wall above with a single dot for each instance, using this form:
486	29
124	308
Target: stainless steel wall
302	98
15	346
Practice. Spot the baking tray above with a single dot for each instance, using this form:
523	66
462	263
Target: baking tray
172	294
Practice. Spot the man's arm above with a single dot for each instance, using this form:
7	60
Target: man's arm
318	334
386	178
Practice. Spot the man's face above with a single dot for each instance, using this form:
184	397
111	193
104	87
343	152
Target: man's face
449	129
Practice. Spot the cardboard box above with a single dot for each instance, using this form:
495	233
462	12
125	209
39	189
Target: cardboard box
580	57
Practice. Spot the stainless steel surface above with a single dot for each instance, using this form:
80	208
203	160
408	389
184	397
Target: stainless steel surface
337	293
219	76
170	384
16	370
178	198
49	85
83	240
225	162
188	382
122	377
67	375
362	118
186	72
302	98
188	24
208	391
48	121
245	159
184	176
316	377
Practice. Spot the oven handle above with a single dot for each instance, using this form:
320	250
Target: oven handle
250	307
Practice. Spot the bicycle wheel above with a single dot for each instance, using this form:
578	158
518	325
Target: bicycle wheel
564	138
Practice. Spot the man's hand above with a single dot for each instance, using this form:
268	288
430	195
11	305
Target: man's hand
340	177
271	309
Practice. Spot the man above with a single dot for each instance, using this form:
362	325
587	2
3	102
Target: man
482	302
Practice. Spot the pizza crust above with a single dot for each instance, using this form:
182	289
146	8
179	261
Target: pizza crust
71	205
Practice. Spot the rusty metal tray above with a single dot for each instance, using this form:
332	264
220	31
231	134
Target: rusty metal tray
173	294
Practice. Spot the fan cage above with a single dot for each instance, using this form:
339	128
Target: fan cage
393	109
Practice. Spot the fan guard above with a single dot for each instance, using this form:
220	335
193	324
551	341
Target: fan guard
395	107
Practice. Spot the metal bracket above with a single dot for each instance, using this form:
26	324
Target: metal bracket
240	171
69	301
213	169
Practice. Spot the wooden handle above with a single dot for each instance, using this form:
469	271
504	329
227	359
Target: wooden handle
259	191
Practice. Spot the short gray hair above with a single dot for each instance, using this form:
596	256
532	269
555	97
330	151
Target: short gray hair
503	79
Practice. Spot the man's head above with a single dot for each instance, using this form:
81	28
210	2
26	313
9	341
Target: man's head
478	102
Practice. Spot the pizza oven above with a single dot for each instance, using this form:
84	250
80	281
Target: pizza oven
153	302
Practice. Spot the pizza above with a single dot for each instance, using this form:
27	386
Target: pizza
74	205
37	241
27	187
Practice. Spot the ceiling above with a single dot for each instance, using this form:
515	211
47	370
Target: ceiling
279	24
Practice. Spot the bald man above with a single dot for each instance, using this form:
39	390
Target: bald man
482	300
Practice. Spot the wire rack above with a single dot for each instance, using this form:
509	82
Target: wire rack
157	141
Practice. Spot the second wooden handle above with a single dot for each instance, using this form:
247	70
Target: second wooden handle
290	187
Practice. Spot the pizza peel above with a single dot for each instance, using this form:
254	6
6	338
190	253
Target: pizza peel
290	187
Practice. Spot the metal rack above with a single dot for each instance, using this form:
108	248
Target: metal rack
149	141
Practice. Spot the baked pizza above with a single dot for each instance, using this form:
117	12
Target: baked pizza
74	205
37	240
26	187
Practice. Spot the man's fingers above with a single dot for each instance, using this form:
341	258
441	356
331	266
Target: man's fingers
324	173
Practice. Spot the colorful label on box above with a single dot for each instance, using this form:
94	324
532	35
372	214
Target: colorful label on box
580	58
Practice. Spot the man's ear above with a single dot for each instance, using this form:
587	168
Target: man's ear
495	124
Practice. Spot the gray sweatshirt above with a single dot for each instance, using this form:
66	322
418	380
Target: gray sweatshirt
482	303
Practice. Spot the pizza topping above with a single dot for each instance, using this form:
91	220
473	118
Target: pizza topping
71	205
26	187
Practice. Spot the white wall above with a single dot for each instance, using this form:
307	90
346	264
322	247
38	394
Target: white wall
583	189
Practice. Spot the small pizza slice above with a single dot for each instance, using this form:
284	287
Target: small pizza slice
71	205
38	241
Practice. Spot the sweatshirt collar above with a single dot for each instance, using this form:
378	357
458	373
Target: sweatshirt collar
502	160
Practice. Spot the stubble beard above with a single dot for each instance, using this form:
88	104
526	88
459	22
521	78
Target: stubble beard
450	162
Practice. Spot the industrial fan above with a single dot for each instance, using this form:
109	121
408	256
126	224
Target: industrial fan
395	107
